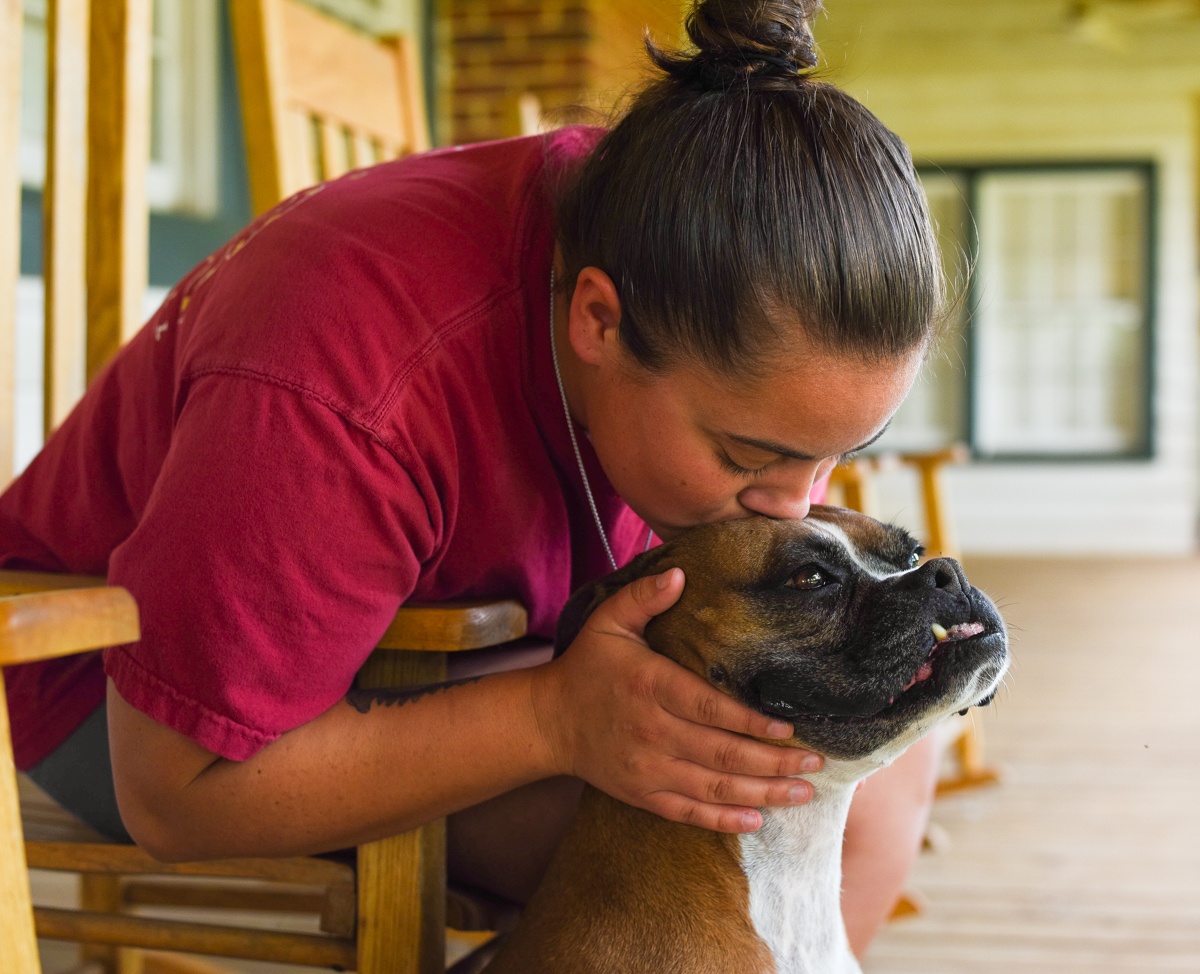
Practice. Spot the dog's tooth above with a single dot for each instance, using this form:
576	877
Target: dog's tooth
939	633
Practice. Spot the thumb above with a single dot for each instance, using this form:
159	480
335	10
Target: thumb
627	612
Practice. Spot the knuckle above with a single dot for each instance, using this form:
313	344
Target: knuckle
644	683
728	755
708	708
689	813
648	734
721	790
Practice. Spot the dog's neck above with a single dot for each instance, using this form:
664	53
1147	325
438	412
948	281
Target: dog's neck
794	868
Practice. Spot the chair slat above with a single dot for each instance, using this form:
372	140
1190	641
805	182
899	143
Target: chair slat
64	204
118	214
10	224
147	892
198	938
256	39
364	152
128	860
413	121
335	159
301	149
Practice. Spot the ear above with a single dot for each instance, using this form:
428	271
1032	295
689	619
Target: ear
587	597
594	316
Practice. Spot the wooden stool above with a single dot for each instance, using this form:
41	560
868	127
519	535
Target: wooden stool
851	483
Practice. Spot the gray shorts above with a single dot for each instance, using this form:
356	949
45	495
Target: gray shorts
78	775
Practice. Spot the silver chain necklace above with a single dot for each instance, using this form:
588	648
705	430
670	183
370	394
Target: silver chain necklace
587	487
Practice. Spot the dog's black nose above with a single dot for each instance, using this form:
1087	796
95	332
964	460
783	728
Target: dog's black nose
945	574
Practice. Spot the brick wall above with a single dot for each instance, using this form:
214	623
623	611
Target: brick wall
568	53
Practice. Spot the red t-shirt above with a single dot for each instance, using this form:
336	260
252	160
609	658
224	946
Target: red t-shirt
350	405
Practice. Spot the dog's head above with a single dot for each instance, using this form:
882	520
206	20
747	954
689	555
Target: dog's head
829	623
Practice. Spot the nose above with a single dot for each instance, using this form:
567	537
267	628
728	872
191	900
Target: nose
786	498
940	573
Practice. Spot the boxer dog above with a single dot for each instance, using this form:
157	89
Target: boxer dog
830	623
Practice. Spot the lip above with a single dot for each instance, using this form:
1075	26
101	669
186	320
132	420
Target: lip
917	695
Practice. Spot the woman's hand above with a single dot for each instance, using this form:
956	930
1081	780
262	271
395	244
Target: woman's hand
652	733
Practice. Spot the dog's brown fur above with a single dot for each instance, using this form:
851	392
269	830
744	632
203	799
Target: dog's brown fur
690	875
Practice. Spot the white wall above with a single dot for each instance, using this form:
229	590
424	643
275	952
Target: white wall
975	81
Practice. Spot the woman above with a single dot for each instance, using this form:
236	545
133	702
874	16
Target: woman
375	393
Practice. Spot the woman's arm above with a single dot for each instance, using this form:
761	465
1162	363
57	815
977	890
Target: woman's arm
610	710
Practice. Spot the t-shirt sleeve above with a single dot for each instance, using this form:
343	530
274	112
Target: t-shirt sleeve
278	542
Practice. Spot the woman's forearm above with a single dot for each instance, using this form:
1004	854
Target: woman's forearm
373	765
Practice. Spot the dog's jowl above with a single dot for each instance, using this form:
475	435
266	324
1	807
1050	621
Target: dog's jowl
829	623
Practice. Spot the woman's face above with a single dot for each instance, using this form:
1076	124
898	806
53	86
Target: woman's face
690	447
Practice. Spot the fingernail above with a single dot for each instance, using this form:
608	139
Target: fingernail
811	763
798	794
750	821
664	579
779	729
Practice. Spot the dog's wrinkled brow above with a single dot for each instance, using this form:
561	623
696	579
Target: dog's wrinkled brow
888	552
829	549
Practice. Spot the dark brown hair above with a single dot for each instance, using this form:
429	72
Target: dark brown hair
738	198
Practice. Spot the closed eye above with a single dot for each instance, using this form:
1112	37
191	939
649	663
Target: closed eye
728	463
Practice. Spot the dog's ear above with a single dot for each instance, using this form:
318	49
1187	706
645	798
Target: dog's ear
583	600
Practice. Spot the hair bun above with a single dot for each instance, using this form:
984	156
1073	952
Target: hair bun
736	39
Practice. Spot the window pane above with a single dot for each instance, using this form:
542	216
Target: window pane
1060	317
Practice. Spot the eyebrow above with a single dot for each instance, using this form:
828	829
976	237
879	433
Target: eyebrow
782	450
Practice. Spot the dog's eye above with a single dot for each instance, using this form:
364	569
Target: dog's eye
915	558
809	577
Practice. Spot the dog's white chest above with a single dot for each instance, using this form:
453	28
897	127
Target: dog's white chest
793	867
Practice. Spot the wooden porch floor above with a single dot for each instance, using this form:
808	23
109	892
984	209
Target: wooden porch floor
1086	859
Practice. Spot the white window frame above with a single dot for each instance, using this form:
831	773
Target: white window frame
183	175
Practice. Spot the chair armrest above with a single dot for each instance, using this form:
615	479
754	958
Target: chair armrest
449	627
443	627
18	583
43	625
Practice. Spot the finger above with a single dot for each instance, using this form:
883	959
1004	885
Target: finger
629	609
707	787
730	819
734	754
686	695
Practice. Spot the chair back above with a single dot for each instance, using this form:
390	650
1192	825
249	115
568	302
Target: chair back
319	98
39	626
95	217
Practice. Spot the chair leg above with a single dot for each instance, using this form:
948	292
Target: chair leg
973	771
910	904
102	894
402	879
402	903
16	916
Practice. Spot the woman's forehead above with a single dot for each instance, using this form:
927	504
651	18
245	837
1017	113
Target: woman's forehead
800	413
